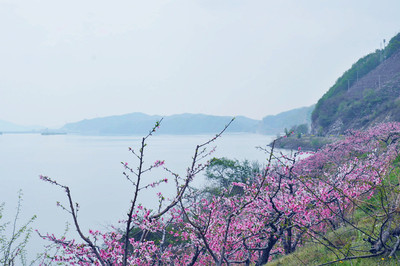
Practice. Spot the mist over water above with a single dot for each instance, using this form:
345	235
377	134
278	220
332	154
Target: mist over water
91	167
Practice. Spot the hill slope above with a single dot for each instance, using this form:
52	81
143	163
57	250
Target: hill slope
6	126
364	95
275	124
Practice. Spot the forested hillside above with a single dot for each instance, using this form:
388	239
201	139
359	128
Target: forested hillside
366	94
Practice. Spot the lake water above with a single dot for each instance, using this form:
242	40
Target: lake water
91	167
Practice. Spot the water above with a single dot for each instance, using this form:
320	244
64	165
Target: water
91	167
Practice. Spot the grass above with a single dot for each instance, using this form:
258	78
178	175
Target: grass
348	241
317	254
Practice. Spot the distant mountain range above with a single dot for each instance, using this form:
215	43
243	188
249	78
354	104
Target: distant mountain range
183	124
139	124
366	94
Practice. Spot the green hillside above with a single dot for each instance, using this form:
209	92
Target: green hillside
365	94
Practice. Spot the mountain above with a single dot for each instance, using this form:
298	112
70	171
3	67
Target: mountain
275	124
139	124
366	94
135	123
11	127
200	123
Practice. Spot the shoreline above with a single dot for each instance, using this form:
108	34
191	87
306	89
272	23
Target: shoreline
305	143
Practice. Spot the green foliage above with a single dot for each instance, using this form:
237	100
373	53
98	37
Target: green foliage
369	106
317	254
303	129
298	130
335	104
316	142
222	172
327	107
393	46
12	245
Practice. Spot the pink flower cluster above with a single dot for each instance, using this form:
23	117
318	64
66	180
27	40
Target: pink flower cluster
293	199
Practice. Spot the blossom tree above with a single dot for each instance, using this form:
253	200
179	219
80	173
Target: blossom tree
359	175
123	249
293	199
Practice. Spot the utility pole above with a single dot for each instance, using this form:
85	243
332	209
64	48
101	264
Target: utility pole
379	81
384	46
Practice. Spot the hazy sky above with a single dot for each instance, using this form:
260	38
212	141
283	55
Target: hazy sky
66	60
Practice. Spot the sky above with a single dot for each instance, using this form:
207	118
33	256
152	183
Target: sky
63	61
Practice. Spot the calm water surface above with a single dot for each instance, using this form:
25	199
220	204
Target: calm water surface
91	167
